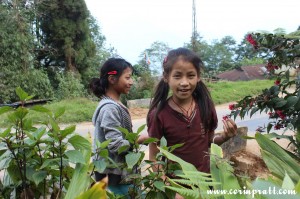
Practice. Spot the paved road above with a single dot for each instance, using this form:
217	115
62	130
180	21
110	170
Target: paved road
252	123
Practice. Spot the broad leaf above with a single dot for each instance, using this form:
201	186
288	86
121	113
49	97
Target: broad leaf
40	108
21	94
39	176
100	165
79	142
5	109
67	131
132	159
75	156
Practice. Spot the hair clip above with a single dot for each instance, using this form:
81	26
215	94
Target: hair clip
114	72
165	59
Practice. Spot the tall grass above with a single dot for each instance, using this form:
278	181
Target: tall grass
82	109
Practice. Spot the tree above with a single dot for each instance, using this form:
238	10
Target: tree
17	54
152	58
67	42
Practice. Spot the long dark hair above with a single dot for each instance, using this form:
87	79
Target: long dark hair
200	94
113	66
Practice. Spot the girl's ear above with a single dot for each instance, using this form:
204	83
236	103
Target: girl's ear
112	79
165	77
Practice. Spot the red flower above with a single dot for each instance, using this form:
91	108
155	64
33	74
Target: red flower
277	82
250	39
231	106
278	126
271	67
225	117
280	114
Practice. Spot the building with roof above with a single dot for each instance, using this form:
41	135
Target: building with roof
244	73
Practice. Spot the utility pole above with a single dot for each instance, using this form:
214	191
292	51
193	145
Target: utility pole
194	30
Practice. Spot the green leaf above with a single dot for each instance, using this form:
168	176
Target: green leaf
291	101
50	162
287	182
104	153
96	192
5	109
253	110
41	109
30	135
132	159
123	149
280	104
175	146
104	144
59	112
150	140
79	142
54	125
81	179
5	133
296	106
269	127
163	142
67	131
141	128
100	165
160	185
21	94
39	176
39	133
123	130
280	157
75	156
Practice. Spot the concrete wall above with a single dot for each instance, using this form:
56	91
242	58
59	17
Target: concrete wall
143	103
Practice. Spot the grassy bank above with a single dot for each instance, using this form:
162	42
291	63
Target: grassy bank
81	109
225	91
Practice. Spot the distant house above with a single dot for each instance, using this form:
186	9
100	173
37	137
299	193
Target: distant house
244	73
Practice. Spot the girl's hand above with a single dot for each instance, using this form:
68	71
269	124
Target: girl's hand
142	138
230	129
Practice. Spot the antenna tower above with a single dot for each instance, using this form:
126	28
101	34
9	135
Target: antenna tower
194	31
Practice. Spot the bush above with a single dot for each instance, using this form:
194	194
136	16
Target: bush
32	81
69	86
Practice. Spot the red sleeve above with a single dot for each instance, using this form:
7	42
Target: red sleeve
155	129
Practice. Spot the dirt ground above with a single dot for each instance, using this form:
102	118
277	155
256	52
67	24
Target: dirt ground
246	163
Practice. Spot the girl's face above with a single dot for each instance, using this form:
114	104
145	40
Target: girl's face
124	82
183	79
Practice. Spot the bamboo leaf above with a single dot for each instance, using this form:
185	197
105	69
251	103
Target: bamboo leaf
96	192
80	179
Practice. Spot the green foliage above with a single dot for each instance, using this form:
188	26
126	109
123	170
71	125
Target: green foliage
224	91
38	161
33	81
69	86
282	100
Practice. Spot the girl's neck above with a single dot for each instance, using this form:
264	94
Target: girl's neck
113	95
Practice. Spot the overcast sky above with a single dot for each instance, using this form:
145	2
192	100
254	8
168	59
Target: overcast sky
131	26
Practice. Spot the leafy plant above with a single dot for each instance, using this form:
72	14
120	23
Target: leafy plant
38	159
282	100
